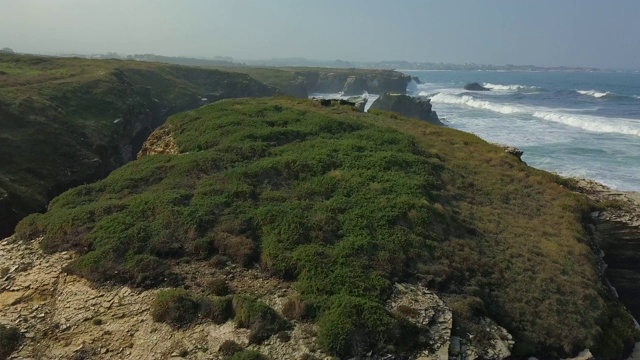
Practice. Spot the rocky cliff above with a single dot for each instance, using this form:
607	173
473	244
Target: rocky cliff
372	234
408	106
355	81
73	120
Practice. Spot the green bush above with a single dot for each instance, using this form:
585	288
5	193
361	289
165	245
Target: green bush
218	286
353	327
217	309
258	317
229	348
175	307
10	338
249	355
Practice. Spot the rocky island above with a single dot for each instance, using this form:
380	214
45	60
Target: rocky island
284	228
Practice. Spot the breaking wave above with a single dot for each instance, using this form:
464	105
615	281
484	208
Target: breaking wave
594	93
585	122
509	87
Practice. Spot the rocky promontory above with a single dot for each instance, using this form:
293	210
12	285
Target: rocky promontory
417	108
296	228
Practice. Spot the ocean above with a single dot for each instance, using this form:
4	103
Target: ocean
579	124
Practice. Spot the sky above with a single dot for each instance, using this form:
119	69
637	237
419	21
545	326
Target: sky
594	33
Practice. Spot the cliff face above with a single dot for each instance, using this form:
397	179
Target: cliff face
355	82
73	121
405	105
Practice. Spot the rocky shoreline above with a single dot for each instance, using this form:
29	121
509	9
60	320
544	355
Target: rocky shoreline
616	231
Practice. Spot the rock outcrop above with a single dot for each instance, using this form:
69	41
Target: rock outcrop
355	81
511	150
617	233
360	102
355	85
408	106
160	142
475	87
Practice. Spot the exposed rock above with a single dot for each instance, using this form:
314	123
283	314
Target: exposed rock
355	85
416	79
617	234
475	87
511	150
360	102
377	81
160	142
426	310
417	108
62	316
583	355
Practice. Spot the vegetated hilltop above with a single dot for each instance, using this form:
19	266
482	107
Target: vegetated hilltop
343	205
66	121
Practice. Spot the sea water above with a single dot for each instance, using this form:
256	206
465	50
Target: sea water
580	124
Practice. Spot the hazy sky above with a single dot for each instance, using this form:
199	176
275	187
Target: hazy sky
540	32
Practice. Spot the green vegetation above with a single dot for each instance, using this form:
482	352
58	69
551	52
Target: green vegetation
249	355
345	204
67	121
218	286
175	307
258	317
229	348
217	309
10	338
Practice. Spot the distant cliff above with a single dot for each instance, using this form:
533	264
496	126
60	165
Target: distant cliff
72	121
302	82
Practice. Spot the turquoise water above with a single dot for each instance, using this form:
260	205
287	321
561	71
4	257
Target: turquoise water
572	123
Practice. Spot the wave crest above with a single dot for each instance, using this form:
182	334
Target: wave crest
594	93
593	123
470	101
585	122
509	87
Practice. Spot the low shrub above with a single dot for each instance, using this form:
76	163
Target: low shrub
146	270
229	348
294	308
249	355
175	307
218	287
353	327
216	309
10	338
258	317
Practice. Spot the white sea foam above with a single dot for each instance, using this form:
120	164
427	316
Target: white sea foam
468	100
593	93
585	122
593	123
508	87
412	86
